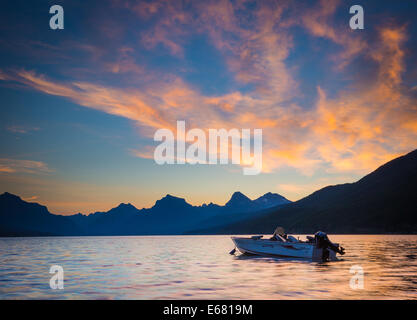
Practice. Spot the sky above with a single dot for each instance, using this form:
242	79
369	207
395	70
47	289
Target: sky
80	106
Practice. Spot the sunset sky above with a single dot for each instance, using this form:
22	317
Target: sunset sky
80	106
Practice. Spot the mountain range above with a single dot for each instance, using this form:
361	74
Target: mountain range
169	215
384	201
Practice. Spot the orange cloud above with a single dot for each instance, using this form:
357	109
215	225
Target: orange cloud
318	21
355	130
28	199
366	128
23	166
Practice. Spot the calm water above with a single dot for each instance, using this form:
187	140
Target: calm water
199	267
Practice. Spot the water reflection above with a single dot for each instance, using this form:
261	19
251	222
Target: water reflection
200	267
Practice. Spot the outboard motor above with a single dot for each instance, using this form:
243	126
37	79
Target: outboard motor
323	242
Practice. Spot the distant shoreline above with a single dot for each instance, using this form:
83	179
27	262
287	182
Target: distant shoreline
192	235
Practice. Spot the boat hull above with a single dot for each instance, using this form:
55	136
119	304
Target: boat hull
280	249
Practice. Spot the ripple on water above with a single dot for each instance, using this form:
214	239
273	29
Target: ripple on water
199	267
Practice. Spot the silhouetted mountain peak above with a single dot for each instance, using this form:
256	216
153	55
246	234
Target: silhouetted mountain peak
238	199
125	206
269	200
10	196
17	202
170	196
170	201
18	217
79	214
239	196
392	170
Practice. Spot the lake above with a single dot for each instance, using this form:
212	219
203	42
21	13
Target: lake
200	267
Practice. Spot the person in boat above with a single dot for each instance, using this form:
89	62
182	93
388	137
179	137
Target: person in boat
279	235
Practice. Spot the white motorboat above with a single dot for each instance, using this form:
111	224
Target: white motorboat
317	248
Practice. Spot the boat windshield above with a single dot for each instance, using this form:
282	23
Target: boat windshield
277	237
